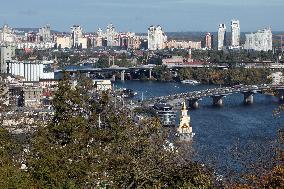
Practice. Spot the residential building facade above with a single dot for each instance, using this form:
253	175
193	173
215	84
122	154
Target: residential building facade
236	33
221	36
259	41
156	38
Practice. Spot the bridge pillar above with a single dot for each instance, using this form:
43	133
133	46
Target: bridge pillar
113	77
150	73
248	97
122	74
280	94
193	103
217	100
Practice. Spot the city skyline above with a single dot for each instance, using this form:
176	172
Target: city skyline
137	16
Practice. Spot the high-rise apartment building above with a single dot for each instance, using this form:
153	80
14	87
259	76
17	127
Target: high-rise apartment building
111	36
45	33
221	36
236	33
208	39
156	38
76	33
259	41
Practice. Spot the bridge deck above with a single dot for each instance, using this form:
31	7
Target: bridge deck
216	92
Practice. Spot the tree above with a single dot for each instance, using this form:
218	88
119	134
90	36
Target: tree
89	143
60	151
184	74
11	176
162	73
103	62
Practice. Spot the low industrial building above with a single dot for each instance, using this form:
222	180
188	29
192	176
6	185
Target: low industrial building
30	70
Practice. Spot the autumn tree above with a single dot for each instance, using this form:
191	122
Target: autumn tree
90	143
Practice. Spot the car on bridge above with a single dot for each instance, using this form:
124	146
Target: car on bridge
227	90
254	87
238	86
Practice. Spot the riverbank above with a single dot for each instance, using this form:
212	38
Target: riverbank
229	77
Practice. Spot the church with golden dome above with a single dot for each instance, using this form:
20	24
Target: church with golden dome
184	130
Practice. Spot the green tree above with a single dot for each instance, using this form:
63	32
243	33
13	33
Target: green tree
11	176
162	73
90	143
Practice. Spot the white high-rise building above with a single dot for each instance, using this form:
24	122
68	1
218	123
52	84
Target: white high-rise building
236	33
221	36
76	33
156	38
45	33
111	36
259	41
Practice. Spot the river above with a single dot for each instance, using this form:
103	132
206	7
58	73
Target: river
220	132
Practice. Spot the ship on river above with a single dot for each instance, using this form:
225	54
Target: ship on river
191	82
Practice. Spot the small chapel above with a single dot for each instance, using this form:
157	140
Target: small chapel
184	130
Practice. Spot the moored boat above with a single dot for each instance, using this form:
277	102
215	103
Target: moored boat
191	82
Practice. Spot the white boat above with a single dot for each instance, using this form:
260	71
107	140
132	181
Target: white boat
191	82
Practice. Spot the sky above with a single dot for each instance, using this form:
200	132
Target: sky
138	15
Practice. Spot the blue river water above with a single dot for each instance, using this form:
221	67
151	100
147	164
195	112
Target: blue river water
220	132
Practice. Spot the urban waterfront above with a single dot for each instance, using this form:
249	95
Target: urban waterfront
220	131
98	94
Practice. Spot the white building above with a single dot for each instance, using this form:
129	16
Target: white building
45	33
37	45
82	42
221	36
6	54
259	41
276	78
102	85
76	33
236	33
156	38
7	35
99	84
111	36
31	71
63	42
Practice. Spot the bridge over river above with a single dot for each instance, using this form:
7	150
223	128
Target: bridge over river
217	94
